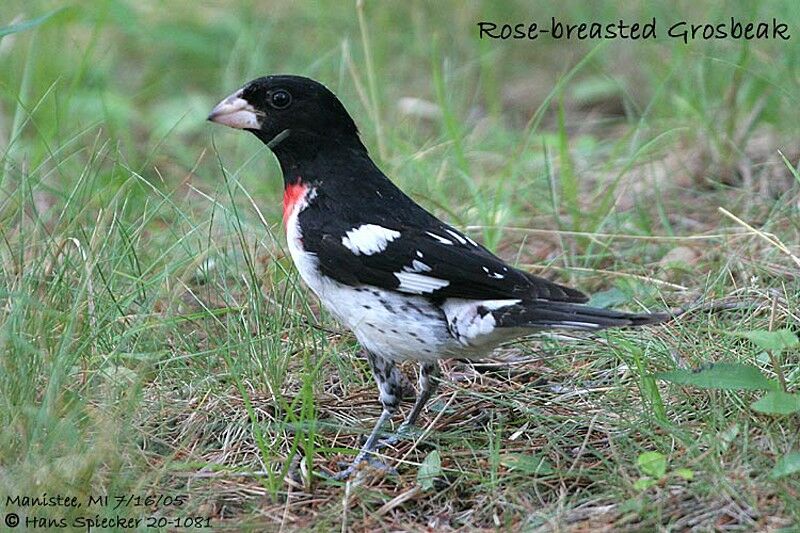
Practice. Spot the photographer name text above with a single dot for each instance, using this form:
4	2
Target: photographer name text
101	511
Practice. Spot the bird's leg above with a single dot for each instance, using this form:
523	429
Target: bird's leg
428	383
428	372
386	376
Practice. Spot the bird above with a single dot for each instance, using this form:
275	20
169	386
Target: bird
407	284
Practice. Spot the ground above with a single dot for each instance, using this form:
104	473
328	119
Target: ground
156	341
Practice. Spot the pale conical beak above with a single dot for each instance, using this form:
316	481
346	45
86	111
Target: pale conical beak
236	112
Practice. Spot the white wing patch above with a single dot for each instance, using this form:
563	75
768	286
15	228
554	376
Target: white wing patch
495	275
418	266
414	283
439	238
579	325
457	237
498	275
461	239
369	239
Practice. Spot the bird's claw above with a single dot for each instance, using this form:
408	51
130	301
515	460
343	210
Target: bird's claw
387	441
359	465
402	433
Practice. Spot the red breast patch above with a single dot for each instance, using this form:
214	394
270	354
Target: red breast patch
292	194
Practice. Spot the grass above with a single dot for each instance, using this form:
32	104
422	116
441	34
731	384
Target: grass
155	339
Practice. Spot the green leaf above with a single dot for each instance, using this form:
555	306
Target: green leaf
120	375
570	186
632	505
724	376
790	166
653	464
685	473
430	468
644	483
777	340
778	402
594	89
609	298
725	438
651	393
27	24
528	464
786	465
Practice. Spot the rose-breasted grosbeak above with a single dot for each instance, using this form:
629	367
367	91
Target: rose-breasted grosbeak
407	284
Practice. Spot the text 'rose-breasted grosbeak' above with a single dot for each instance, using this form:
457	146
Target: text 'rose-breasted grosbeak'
407	284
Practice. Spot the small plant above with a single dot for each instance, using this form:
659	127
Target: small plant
786	465
429	470
653	466
741	376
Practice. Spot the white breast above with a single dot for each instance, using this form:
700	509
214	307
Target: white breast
387	323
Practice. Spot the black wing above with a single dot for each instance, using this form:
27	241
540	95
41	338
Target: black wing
436	261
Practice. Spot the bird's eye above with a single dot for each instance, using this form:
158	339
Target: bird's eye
280	99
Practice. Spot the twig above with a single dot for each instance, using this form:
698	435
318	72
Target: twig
775	362
769	237
429	427
611	273
557	232
371	82
398	500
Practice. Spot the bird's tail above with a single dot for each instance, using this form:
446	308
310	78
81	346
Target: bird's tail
563	315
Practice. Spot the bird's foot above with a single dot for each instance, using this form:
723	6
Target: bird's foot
361	464
404	432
